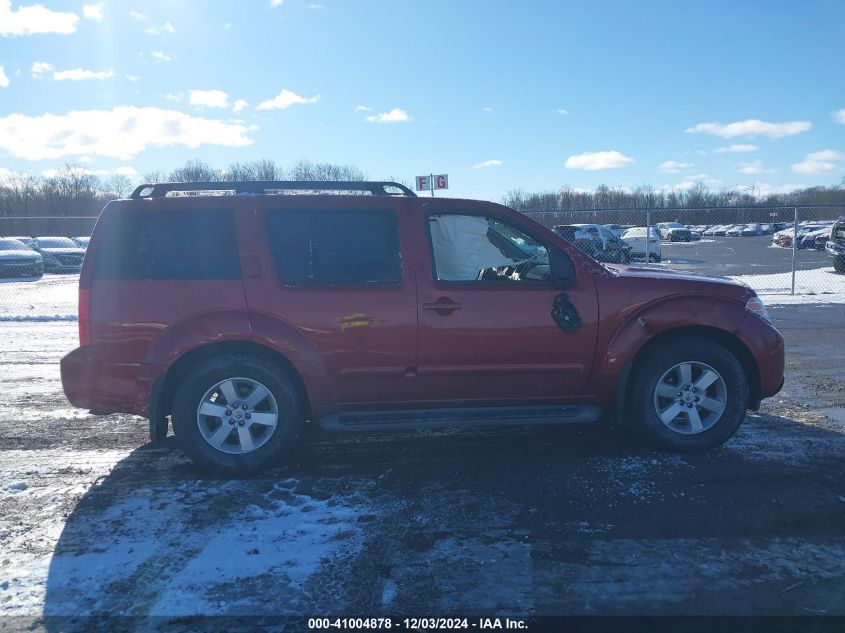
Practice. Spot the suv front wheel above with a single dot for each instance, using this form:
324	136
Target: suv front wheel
689	394
236	415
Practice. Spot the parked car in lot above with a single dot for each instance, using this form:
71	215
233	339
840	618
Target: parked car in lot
636	238
377	312
82	241
673	232
597	241
783	238
17	260
744	230
29	242
815	238
807	234
61	254
835	245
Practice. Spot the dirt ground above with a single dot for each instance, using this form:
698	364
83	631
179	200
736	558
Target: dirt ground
573	520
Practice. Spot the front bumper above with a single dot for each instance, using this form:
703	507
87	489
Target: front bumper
766	345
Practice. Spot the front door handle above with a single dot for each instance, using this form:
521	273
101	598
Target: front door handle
443	306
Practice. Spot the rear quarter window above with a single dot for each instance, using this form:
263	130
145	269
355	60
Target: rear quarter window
168	244
335	247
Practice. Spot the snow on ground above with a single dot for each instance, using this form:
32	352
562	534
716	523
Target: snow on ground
51	298
818	285
71	544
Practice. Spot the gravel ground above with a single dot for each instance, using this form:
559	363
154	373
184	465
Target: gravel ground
574	520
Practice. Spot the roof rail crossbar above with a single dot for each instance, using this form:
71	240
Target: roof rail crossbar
376	188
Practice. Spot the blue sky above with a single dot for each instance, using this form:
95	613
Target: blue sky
499	95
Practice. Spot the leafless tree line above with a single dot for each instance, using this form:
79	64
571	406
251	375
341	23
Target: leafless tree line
645	197
75	191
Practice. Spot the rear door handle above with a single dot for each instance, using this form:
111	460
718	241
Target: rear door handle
443	306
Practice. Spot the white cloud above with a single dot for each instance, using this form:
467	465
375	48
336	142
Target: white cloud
487	109
239	105
694	181
34	19
126	170
396	115
562	111
285	99
751	127
276	3
137	16
764	189
673	167
314	6
822	162
363	108
39	69
227	26
122	132
93	12
592	161
80	74
168	27
133	78
736	149
839	116
755	167
487	163
175	97
208	98
4	79
160	57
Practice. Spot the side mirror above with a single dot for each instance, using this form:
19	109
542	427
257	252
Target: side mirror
563	270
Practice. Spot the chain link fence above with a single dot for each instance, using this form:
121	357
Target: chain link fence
40	259
780	251
788	254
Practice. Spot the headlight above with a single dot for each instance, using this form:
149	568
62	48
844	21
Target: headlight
755	305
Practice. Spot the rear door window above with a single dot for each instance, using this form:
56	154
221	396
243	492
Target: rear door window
168	244
335	247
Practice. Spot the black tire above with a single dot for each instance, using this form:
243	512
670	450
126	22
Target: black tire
204	376
662	357
839	263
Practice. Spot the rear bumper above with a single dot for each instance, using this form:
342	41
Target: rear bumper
90	383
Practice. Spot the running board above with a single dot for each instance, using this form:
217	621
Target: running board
459	417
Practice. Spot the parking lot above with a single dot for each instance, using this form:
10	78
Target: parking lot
575	520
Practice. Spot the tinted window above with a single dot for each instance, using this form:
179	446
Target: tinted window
168	244
335	247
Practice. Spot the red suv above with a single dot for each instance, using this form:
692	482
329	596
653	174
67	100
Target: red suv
240	317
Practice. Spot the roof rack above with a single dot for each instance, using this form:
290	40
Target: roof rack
261	187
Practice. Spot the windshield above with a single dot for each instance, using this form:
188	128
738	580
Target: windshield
520	246
9	244
56	242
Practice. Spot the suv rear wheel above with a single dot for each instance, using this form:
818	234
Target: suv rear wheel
237	414
689	394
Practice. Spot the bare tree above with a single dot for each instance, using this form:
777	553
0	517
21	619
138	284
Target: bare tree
195	171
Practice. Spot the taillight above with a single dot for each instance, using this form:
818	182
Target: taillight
84	317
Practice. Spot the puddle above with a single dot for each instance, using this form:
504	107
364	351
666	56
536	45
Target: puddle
837	414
